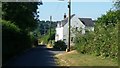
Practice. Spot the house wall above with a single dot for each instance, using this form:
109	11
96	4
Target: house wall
59	33
65	33
62	32
75	22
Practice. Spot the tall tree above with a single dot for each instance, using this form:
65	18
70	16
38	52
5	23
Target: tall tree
117	5
110	18
23	14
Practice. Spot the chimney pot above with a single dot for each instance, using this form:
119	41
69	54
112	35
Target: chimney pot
65	15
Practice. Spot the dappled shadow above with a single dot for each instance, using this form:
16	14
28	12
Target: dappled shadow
39	56
41	45
53	49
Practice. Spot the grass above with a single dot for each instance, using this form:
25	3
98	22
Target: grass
75	59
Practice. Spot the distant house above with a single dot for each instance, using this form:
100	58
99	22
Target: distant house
76	23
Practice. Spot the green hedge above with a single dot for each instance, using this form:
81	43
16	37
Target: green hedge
101	42
47	38
14	40
60	45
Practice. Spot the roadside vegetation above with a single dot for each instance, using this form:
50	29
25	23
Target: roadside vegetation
45	27
21	28
104	40
101	42
98	48
19	20
74	58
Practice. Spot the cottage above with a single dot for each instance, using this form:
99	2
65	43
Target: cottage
76	23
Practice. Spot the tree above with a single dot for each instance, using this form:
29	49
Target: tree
110	18
117	4
23	14
44	26
21	18
103	41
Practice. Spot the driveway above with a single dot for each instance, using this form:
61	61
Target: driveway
39	56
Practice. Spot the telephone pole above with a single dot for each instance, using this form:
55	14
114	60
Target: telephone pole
69	22
50	29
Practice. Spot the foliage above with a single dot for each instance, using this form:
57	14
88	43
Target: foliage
103	41
21	19
14	40
110	18
37	33
11	26
117	4
23	14
44	26
60	45
44	31
46	38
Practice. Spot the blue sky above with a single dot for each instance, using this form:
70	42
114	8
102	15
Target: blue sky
81	9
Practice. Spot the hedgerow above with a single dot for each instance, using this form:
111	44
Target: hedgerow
102	42
14	40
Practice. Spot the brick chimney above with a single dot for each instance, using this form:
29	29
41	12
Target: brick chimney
65	15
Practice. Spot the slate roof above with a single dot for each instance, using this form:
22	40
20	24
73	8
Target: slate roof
87	22
63	22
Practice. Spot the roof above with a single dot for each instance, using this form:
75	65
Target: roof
65	20
87	22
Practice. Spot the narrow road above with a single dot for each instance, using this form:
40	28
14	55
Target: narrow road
40	56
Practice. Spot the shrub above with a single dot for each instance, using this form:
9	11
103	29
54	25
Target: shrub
101	42
60	45
46	38
14	40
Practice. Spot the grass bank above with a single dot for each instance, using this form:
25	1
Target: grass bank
75	59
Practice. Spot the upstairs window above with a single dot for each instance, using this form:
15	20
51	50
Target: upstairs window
76	28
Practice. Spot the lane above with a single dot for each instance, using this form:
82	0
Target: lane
40	56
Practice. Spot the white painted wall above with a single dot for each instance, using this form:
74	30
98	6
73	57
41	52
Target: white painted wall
59	34
65	33
75	22
62	32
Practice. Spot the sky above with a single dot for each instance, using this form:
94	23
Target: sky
83	9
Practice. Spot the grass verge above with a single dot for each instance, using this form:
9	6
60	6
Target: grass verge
75	59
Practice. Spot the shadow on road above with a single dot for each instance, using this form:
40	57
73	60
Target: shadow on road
53	49
39	56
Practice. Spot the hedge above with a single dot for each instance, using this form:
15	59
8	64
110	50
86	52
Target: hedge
14	40
101	42
60	45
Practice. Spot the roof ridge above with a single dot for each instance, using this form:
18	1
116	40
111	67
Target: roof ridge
71	16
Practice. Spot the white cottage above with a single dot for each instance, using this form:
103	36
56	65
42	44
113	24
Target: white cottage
77	23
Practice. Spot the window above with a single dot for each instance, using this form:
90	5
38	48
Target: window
76	28
72	39
64	40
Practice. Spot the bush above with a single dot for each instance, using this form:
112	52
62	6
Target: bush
101	42
14	40
47	38
60	45
104	40
44	39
